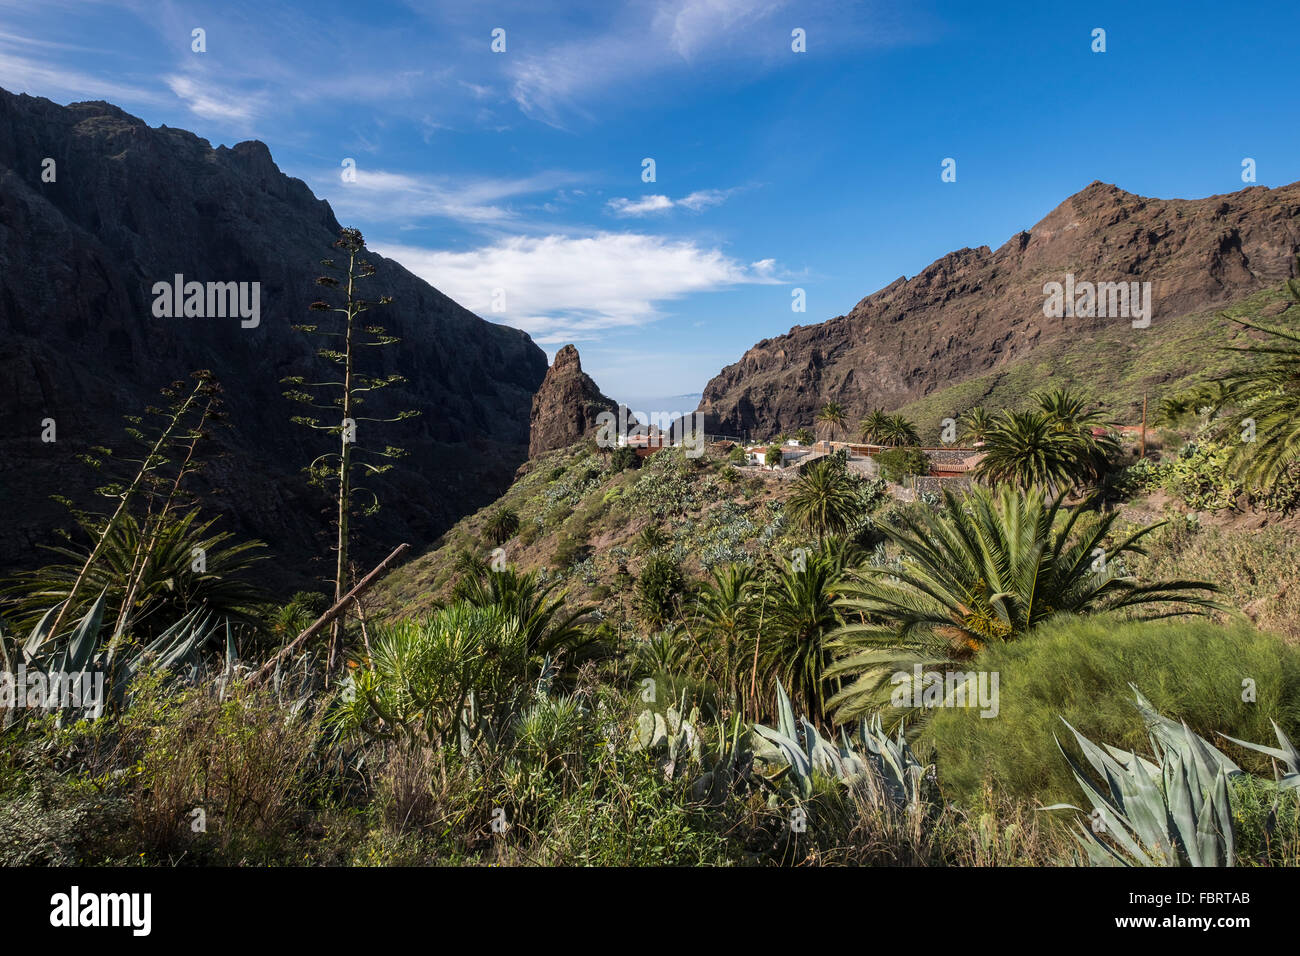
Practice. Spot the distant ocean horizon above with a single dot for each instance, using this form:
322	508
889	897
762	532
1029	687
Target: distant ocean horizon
663	408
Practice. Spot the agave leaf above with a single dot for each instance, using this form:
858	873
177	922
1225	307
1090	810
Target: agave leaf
800	768
1111	819
40	633
1285	752
785	723
1175	734
81	646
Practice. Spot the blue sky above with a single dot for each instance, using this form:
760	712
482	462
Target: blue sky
521	171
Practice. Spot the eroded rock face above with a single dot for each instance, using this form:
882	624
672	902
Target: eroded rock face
79	343
977	309
566	406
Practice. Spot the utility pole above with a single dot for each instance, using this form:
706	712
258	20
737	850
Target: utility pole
1144	424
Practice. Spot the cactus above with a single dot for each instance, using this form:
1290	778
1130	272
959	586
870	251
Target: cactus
669	734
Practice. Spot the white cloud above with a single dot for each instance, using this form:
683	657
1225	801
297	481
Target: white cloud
383	195
639	207
644	49
208	100
693	24
700	199
20	74
561	289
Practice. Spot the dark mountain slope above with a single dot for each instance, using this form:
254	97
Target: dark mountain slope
79	343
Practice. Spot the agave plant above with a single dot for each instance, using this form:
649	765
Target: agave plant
81	652
1285	751
799	747
1170	811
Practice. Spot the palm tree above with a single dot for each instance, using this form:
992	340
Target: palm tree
824	500
874	427
1068	409
1268	394
986	568
1025	449
804	437
832	416
1028	449
723	624
502	525
899	431
801	615
1070	413
975	424
532	609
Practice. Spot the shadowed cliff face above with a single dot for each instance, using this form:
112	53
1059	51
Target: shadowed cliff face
566	406
977	309
131	206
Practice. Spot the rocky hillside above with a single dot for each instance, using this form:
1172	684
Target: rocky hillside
566	406
976	311
129	206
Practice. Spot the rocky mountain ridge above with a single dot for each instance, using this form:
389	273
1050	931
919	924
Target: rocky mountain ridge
96	207
979	309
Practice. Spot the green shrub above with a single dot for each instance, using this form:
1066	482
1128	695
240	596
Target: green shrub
1191	670
897	464
659	587
569	551
1201	476
623	458
737	455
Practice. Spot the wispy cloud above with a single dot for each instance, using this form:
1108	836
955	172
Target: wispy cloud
401	196
649	47
562	289
646	205
43	77
210	101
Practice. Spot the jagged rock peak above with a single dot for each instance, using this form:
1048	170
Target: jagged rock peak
566	406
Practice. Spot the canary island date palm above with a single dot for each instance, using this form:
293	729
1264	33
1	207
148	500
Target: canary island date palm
1035	449
824	500
875	427
831	417
1264	432
975	424
985	568
801	613
899	431
722	626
